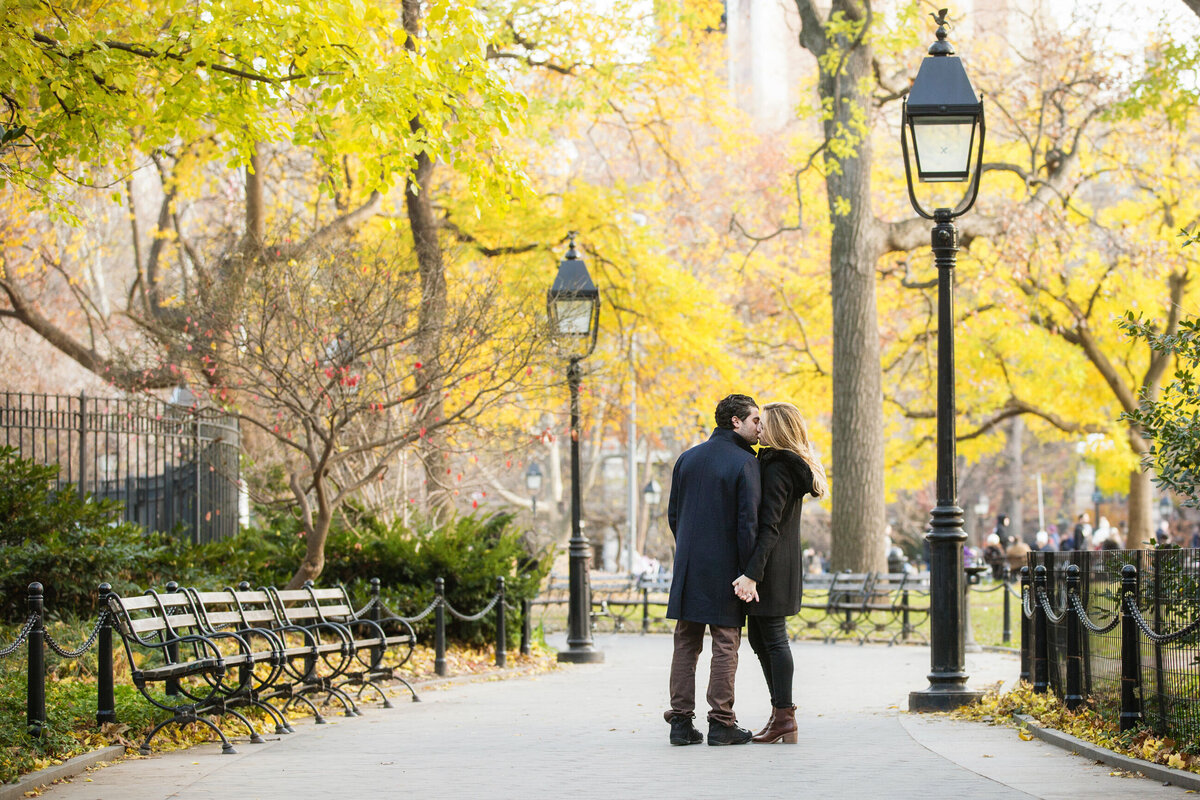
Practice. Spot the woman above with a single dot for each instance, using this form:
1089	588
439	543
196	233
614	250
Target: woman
771	584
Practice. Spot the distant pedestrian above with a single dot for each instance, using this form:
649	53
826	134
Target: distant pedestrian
1042	539
1081	534
1002	526
1015	554
713	513
993	555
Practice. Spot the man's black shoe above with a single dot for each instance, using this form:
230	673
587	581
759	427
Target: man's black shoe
684	732
719	734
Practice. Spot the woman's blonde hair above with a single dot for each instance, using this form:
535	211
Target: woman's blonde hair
783	428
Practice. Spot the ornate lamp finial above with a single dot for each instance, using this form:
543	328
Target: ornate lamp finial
941	47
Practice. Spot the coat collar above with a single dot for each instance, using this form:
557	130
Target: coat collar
732	436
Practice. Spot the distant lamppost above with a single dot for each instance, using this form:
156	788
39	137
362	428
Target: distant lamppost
533	483
941	116
573	303
652	494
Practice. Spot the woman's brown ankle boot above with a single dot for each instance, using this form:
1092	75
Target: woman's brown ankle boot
767	727
781	728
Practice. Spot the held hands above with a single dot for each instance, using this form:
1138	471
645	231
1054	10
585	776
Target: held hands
746	589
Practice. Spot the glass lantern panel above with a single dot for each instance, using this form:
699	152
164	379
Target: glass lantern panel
943	146
574	316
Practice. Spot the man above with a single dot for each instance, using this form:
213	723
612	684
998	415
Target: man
713	513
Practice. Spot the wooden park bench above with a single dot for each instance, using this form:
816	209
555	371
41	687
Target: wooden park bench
201	672
214	652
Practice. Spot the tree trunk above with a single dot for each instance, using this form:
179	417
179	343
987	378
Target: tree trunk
1141	494
857	458
256	225
1015	507
423	225
316	530
1141	497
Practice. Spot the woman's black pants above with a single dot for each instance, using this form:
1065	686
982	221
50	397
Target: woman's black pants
769	639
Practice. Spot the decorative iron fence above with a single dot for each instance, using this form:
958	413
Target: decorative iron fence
175	469
1121	627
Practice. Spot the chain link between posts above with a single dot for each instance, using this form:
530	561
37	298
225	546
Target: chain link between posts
21	637
362	612
428	610
91	640
433	604
1160	638
1077	603
1044	601
473	617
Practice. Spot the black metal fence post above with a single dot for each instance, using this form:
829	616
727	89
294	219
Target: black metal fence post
501	631
106	705
1041	639
526	626
83	451
1006	577
1074	696
645	609
377	616
376	607
1131	702
35	707
1160	693
1026	640
439	627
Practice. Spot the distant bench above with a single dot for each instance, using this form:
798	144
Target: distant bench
614	597
867	606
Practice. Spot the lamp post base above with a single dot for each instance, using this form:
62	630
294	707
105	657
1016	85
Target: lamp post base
581	655
936	699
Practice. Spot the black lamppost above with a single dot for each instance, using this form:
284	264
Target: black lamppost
573	303
533	483
941	116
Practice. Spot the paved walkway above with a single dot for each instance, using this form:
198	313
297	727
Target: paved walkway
597	731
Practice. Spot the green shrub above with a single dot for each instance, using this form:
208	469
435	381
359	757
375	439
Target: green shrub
68	544
469	552
72	545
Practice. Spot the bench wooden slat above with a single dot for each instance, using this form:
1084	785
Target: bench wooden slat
175	621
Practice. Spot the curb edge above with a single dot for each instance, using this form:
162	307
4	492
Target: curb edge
68	769
1176	777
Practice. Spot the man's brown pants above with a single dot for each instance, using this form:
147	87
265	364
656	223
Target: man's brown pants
689	642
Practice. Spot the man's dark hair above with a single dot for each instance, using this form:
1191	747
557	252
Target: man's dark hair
735	405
